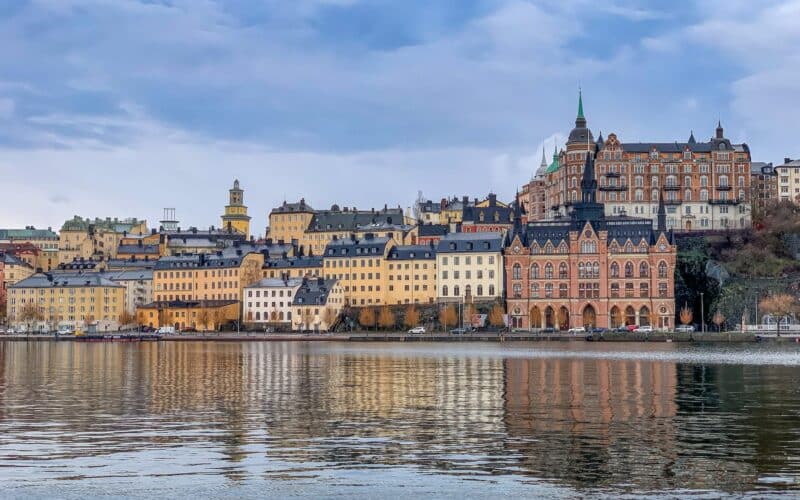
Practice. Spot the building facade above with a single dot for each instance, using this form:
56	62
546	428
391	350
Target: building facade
200	315
706	185
270	300
488	215
292	267
789	180
43	239
590	269
341	223
469	267
317	305
138	287
93	238
763	185
289	221
361	268
411	272
14	270
235	217
45	301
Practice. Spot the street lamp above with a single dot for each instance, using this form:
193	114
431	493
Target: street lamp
702	313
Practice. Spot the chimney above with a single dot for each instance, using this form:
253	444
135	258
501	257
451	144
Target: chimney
465	200
492	199
786	160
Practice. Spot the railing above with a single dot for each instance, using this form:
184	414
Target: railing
612	174
724	202
623	187
725	187
672	187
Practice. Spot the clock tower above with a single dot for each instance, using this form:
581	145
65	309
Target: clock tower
235	217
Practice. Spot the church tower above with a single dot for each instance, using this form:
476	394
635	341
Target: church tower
235	217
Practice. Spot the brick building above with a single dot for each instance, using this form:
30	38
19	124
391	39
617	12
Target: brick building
590	269
763	185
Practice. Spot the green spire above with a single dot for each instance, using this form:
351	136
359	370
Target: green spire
580	104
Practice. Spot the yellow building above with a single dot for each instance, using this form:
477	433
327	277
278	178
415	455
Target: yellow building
14	270
361	267
412	275
87	238
43	239
235	217
149	246
218	276
45	301
200	315
292	267
317	305
343	222
289	221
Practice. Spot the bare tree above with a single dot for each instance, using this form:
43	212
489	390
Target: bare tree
219	317
448	316
366	317
203	319
780	305
686	315
30	314
328	317
718	319
412	316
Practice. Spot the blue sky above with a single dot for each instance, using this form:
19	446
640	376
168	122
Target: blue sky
122	107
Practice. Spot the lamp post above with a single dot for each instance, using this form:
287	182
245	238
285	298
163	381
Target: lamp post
702	313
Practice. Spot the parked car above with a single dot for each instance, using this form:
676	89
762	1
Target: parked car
631	328
65	330
189	330
549	329
598	330
644	329
166	330
576	330
685	329
461	331
417	329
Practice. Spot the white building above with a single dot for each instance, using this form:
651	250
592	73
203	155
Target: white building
270	300
469	266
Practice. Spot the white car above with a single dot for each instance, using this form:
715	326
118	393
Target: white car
685	329
577	329
644	329
417	329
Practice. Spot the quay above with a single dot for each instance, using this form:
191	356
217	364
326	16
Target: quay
407	337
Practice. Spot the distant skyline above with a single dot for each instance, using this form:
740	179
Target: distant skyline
120	108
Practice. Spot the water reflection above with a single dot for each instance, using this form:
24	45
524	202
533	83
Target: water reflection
317	413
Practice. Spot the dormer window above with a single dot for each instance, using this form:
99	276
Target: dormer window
452	246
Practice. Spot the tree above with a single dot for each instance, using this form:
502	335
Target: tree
307	317
653	319
251	272
126	318
448	316
386	318
780	305
218	315
328	317
412	316
718	319
88	319
469	312
203	319
686	315
496	318
30	314
366	317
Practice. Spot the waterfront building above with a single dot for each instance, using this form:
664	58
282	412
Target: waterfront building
763	185
447	211
411	272
289	221
44	239
46	300
488	215
138	285
269	300
201	315
317	305
235	217
293	267
149	246
342	223
218	276
469	267
195	241
789	180
361	267
12	270
88	238
706	185
589	268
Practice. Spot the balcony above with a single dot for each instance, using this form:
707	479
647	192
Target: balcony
672	187
724	187
724	202
672	202
623	187
612	174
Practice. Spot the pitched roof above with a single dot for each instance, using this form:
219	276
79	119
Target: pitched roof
12	260
297	207
62	280
352	247
288	262
410	252
313	292
339	220
433	229
276	283
470	242
29	233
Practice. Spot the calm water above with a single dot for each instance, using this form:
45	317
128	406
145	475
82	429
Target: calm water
384	420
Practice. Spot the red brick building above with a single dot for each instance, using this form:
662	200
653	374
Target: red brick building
590	269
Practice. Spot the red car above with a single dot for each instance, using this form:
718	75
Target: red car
632	327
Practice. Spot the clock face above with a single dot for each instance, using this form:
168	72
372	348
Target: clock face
662	247
516	249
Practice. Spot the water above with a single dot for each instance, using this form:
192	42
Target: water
385	420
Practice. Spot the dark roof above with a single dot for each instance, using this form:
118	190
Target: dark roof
138	249
470	242
300	206
680	147
433	229
132	263
29	233
49	280
313	292
288	262
339	220
10	259
762	168
504	214
213	260
352	247
130	275
409	252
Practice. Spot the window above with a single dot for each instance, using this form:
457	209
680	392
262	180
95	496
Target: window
548	290
644	290
517	290
548	271
614	270
644	270
535	290
480	290
535	272
614	290
491	290
662	290
563	291
662	269
444	291
628	270
516	272
563	272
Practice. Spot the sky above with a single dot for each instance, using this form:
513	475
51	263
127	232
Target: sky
122	107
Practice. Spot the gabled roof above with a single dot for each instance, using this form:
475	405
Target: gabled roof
352	247
323	221
313	292
64	280
411	252
432	229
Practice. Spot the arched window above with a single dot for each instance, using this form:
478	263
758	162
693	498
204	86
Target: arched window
581	270
654	195
444	291
662	269
517	290
687	181
654	181
596	270
638	195
704	195
258	315
480	290
628	270
703	181
644	270
563	271
548	271
535	290
687	195
456	291
662	290
723	181
516	272
741	181
491	290
614	270
535	272
671	181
